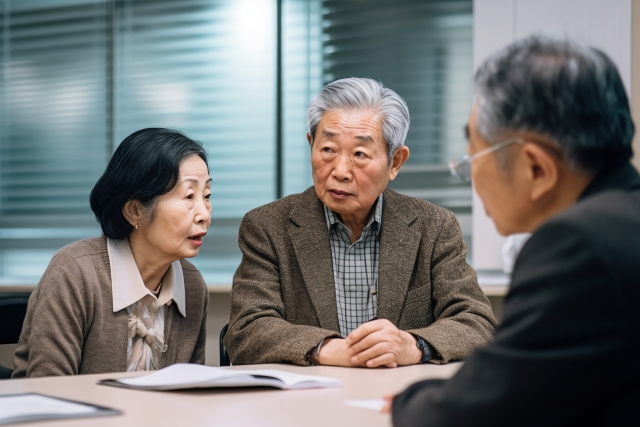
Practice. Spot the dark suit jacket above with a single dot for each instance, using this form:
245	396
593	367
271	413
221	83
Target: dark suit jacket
568	350
283	300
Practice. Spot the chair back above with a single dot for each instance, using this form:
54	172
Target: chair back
224	356
13	309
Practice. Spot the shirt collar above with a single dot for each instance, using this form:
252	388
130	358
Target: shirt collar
332	217
126	283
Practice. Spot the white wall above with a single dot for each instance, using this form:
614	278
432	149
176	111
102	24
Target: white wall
605	24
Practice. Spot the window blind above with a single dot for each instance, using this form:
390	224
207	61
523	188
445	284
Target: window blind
53	142
302	80
54	99
205	67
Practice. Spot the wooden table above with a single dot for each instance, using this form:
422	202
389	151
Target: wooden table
236	407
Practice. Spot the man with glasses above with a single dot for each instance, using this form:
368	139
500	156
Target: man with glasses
549	148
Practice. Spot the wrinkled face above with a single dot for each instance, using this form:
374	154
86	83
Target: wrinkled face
182	216
496	186
349	161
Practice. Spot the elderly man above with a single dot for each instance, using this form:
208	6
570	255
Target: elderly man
550	141
350	273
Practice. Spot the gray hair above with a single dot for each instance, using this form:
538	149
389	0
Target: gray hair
352	94
560	88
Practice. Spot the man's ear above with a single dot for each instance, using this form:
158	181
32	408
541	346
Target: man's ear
132	211
399	158
309	139
543	171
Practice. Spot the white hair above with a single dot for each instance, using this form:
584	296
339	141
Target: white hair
353	94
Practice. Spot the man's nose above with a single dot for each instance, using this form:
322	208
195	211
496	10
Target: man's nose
342	169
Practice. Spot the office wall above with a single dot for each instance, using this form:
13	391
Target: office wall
605	24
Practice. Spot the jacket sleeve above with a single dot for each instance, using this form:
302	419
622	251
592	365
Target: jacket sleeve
463	316
550	355
258	330
52	337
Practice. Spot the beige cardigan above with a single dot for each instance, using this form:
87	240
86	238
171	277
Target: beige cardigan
283	300
70	327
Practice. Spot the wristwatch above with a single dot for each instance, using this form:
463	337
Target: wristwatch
313	356
424	348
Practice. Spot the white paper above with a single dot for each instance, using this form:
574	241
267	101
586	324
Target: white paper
374	404
186	375
33	404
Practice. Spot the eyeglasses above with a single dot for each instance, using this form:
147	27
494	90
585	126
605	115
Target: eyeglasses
461	167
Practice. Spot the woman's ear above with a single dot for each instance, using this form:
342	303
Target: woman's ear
132	211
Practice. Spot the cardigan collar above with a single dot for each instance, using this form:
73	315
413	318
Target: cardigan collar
127	285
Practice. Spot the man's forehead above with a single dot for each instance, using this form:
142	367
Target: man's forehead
364	137
362	124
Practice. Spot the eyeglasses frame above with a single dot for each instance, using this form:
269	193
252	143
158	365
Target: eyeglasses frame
456	164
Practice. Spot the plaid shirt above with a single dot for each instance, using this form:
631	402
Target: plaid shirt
355	269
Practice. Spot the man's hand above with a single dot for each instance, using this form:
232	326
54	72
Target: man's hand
388	403
334	352
380	343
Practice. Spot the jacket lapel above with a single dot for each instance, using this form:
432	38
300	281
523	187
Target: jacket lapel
310	240
399	246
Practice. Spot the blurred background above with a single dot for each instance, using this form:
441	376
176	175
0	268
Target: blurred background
78	76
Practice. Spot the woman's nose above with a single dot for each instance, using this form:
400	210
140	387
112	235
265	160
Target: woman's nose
203	212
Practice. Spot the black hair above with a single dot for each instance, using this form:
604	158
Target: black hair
145	166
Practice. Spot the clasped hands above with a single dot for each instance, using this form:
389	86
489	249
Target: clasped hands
373	344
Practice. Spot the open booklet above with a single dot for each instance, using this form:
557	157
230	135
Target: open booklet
18	408
186	375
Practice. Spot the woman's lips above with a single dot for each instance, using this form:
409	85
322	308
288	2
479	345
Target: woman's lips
196	240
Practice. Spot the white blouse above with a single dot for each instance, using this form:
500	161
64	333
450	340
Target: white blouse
146	309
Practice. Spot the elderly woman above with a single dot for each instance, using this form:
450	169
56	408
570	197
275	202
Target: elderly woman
128	301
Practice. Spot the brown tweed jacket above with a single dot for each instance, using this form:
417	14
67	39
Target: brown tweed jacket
70	327
283	299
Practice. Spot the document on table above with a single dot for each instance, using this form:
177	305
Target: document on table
16	408
187	375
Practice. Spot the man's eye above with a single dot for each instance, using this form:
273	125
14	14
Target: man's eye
326	150
360	154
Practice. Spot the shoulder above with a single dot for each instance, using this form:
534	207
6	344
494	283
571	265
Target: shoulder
88	250
281	208
425	212
74	265
563	249
606	208
92	246
604	217
278	214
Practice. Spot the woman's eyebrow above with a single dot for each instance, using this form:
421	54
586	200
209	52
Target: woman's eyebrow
195	180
